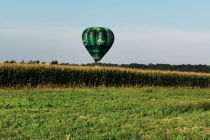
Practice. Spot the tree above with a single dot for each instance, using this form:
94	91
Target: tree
54	62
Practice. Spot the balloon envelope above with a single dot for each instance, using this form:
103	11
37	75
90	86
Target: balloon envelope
97	40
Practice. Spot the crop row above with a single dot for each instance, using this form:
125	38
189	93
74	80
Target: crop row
33	75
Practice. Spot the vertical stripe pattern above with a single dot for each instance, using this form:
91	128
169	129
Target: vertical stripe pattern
97	40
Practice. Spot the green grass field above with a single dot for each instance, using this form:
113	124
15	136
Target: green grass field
105	113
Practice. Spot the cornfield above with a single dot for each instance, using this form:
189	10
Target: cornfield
34	75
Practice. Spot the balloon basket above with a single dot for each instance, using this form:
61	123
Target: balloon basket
97	63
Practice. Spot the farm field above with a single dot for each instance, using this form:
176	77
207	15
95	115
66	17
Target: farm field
39	75
105	113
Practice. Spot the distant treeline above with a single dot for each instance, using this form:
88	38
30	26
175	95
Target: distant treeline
183	67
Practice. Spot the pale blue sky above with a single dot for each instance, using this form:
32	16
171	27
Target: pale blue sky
146	31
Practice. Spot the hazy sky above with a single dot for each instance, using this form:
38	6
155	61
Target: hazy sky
146	31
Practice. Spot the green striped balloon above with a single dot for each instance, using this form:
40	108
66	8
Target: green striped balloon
97	40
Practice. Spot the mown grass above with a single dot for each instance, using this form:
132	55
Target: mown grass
105	113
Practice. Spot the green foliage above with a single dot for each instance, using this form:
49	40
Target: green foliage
147	113
33	75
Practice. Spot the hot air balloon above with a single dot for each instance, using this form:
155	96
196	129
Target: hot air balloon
98	41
